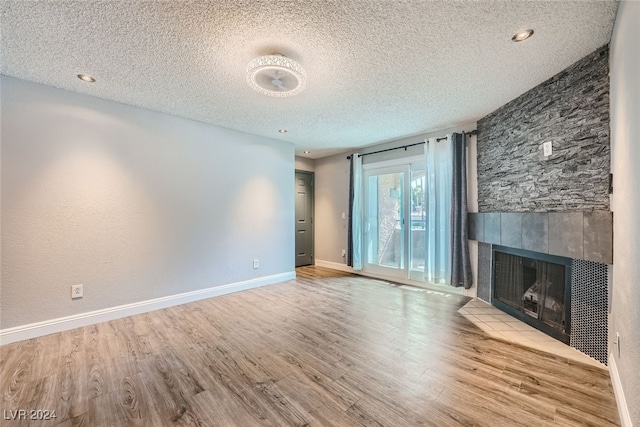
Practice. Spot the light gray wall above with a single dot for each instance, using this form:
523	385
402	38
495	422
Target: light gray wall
304	164
131	203
331	200
625	149
332	191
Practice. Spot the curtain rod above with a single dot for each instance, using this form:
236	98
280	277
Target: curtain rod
473	132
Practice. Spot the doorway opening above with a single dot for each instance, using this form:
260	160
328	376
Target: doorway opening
304	218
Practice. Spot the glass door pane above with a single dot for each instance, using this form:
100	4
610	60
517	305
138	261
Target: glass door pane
385	234
418	224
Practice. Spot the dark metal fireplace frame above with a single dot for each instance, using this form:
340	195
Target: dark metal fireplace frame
521	315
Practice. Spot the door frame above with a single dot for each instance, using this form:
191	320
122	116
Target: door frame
403	164
312	224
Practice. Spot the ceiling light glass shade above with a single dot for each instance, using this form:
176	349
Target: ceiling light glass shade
276	75
86	78
522	35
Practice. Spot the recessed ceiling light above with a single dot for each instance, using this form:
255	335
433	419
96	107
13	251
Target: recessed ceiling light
86	78
307	152
282	131
522	35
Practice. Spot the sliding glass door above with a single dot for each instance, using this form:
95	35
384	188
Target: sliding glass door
385	237
417	233
395	221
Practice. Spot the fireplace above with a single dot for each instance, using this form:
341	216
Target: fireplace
535	288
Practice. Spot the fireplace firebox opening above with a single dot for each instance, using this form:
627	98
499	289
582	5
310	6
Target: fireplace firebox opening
535	288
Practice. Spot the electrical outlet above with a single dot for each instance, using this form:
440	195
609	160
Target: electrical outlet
77	291
256	264
547	148
344	252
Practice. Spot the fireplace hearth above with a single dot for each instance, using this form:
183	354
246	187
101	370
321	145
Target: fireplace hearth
535	288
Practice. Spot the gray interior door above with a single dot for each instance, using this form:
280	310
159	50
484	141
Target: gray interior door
304	218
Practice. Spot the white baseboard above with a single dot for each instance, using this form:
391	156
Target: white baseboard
623	409
471	292
334	265
33	330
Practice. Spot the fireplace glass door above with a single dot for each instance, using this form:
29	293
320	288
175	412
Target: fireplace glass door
535	290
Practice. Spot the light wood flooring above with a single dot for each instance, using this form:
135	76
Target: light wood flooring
328	349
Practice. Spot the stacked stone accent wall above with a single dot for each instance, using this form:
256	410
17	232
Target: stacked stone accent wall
571	110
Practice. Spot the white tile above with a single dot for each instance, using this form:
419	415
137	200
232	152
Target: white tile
485	327
532	335
510	319
478	303
524	342
546	338
521	326
500	326
511	334
471	318
495	334
486	318
552	347
503	326
480	310
505	317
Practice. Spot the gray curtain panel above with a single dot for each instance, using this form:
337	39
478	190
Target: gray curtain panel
460	260
350	229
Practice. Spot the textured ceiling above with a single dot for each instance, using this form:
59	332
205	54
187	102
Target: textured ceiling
377	70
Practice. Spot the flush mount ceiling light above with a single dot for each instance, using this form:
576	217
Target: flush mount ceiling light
276	75
522	35
282	130
86	78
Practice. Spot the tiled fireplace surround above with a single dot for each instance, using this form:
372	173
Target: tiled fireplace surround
558	204
585	237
